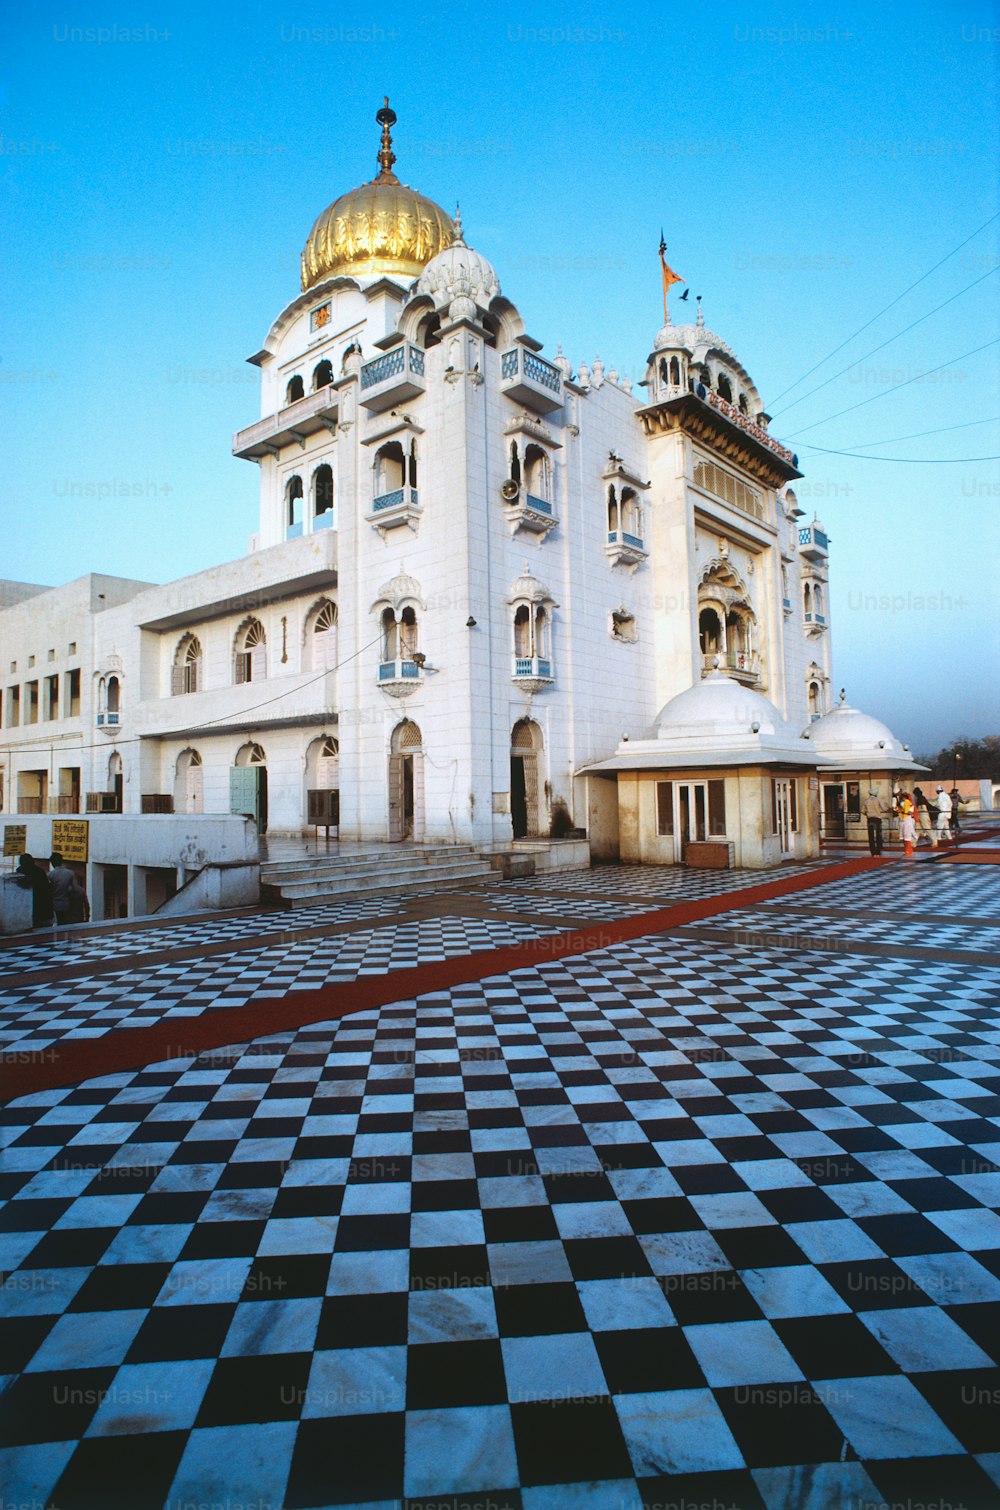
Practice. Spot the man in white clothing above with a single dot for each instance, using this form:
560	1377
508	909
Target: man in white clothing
943	801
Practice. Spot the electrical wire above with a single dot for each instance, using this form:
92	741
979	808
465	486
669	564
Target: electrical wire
899	335
895	388
889	306
920	461
914	435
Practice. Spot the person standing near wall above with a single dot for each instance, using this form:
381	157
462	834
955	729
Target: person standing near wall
69	900
943	813
873	808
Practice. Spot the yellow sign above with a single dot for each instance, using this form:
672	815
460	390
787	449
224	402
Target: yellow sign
15	838
70	836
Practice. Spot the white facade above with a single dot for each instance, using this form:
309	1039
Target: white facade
474	572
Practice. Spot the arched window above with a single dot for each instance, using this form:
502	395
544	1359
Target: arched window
710	632
322	638
389	468
675	372
538	473
522	632
390	636
293	507
818	600
322	376
251	653
612	511
296	389
113	699
515	463
807	600
323	496
744	407
189	783
186	673
664	371
725	388
815	707
407	634
631	514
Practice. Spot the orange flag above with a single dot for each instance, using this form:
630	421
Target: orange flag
669	278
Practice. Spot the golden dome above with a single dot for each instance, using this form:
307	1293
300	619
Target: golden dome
382	228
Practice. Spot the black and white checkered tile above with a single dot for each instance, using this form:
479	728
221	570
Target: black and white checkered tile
36	1015
672	1223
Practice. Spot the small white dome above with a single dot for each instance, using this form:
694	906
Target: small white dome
459	273
719	707
846	733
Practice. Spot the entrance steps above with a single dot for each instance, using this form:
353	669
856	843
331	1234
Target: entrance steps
376	871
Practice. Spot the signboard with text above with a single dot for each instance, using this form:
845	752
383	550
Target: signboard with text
70	836
15	838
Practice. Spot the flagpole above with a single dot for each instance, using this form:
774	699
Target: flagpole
663	253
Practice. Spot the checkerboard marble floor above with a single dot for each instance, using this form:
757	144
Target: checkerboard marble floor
677	1222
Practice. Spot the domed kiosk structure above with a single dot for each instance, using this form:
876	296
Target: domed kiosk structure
724	780
861	756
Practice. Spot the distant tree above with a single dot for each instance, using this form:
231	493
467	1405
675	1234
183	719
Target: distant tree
976	758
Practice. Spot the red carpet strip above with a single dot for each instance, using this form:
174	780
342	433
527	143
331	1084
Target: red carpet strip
75	1060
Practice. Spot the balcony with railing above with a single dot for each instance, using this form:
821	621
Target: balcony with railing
108	720
399	677
401	506
742	665
815	623
530	380
532	673
317	411
814	544
392	378
625	549
529	511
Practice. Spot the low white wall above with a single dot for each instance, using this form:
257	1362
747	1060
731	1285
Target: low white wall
15	906
214	889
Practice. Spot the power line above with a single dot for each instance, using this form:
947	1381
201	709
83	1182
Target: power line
894	388
912	326
884	311
914	434
921	461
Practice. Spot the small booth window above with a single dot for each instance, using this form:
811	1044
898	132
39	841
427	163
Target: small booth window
717	809
665	808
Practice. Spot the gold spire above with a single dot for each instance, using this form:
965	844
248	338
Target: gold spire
386	119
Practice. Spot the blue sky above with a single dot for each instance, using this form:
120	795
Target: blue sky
163	165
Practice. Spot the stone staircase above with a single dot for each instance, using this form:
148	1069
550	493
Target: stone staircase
377	871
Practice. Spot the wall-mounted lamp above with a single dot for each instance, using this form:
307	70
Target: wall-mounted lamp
470	622
755	728
419	658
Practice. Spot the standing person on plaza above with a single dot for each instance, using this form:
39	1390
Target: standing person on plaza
908	830
943	824
69	900
956	812
923	816
31	877
873	809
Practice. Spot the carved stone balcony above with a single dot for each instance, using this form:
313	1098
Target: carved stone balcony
529	512
815	623
742	665
317	411
624	549
813	543
399	678
530	380
392	378
389	510
533	673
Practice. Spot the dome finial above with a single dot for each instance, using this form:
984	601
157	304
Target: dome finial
701	318
459	238
386	119
843	695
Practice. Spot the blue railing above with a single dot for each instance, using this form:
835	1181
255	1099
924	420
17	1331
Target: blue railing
622	537
540	505
416	358
535	368
525	666
394	671
787	604
390	364
324	521
293	531
394	500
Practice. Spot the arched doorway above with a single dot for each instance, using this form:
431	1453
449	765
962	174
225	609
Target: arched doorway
188	785
526	786
116	781
248	785
406	783
322	776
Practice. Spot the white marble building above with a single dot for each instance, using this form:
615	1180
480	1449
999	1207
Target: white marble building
474	570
